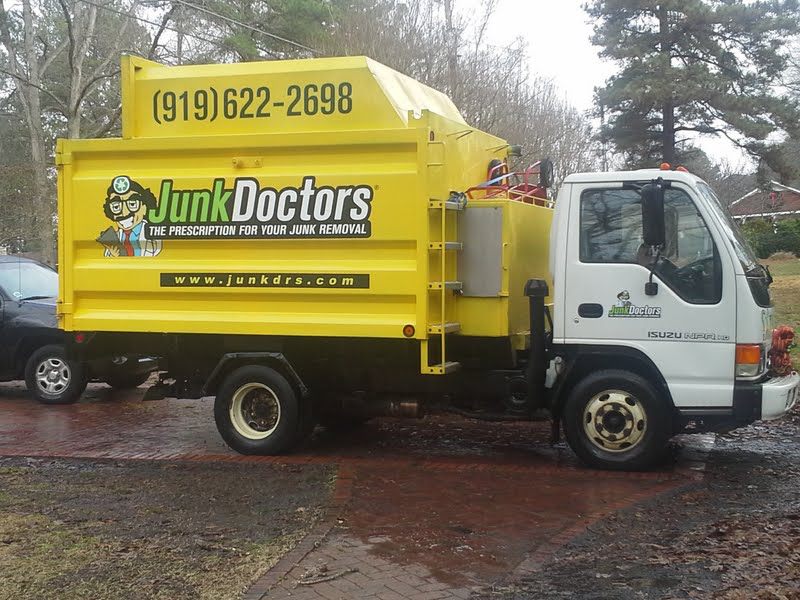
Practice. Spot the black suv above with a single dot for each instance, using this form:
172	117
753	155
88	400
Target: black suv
32	346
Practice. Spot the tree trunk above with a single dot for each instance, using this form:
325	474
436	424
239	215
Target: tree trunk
179	23
668	133
668	109
43	195
27	81
452	53
81	25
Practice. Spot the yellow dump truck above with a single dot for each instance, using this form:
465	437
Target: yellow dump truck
326	240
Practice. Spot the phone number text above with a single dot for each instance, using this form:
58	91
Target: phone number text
211	103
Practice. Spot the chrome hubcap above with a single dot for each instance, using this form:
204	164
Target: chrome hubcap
255	411
614	421
52	376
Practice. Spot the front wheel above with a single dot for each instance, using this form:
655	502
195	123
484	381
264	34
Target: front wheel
257	411
615	419
52	379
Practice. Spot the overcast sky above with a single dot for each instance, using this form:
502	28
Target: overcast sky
558	34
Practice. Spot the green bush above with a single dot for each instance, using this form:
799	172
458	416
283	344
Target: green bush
766	239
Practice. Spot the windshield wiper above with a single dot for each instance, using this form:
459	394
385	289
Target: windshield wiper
35	298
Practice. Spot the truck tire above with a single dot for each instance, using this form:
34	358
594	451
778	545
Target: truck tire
52	379
257	411
615	419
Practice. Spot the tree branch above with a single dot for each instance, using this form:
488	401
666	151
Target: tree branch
114	52
161	29
49	60
104	129
92	81
5	38
88	33
70	32
26	81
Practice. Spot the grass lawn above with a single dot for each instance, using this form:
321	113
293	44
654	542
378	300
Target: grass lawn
80	530
786	296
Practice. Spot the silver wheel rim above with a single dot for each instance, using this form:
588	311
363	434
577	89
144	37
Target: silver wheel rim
255	411
53	376
614	421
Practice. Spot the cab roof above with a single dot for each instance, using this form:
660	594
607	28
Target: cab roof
638	175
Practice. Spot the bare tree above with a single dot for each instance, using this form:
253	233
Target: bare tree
491	85
62	66
26	67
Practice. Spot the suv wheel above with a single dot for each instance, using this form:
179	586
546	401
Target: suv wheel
52	379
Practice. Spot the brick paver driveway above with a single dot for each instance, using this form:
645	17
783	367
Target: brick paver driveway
433	509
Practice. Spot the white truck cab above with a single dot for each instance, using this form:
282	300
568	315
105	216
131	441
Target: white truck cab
662	332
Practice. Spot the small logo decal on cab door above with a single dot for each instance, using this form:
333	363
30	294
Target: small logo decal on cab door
624	308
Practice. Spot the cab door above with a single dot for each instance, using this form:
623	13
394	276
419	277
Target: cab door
687	328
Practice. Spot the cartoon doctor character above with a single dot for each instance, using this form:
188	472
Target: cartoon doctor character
126	205
623	299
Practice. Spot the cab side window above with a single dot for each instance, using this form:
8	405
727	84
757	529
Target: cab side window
611	232
611	226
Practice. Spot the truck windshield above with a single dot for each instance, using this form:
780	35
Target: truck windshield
28	280
743	251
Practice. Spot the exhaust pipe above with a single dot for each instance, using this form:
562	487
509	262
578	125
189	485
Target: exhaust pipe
406	408
409	409
536	290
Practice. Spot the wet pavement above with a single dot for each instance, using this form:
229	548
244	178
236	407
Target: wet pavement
430	509
734	535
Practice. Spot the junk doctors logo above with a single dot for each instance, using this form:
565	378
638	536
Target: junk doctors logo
245	211
624	308
249	211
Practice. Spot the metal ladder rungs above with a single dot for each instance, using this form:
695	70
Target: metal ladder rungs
448	285
449	246
438	328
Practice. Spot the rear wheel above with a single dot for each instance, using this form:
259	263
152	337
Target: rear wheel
52	379
615	419
257	411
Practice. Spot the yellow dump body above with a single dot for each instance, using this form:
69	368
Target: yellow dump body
292	198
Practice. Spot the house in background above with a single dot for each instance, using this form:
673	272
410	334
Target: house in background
778	202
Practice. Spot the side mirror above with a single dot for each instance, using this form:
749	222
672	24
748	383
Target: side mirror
515	150
653	222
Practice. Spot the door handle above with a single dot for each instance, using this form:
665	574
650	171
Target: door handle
590	311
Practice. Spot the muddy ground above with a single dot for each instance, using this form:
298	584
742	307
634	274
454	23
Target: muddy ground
82	529
733	535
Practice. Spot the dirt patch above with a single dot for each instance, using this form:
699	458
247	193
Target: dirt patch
733	536
149	530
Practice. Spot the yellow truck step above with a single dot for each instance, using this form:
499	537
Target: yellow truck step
442	368
449	246
448	285
438	328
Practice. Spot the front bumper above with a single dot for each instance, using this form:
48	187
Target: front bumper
767	399
779	395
